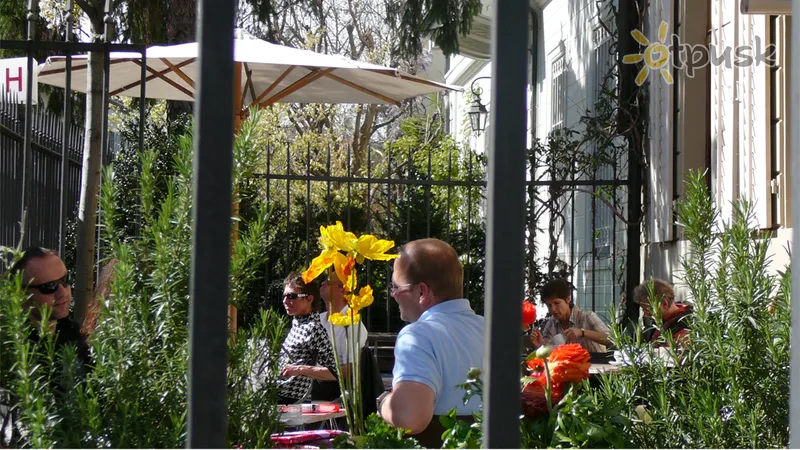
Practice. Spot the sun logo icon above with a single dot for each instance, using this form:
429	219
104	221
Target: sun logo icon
656	55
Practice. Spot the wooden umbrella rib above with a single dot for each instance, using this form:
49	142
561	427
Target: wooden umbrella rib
76	68
305	81
155	74
363	89
273	85
248	84
178	72
396	74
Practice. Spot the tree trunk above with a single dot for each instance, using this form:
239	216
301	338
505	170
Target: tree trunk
90	179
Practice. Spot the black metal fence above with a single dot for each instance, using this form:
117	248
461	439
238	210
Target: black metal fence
47	145
41	157
576	215
395	192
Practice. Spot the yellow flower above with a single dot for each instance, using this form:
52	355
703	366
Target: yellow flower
362	300
346	271
344	320
338	238
370	247
320	263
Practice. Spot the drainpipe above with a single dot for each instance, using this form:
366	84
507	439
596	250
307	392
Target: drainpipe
627	21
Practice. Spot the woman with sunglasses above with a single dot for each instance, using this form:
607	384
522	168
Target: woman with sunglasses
306	352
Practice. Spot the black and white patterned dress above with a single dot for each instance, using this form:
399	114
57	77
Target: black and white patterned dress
306	344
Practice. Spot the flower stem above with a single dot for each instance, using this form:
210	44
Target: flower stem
340	377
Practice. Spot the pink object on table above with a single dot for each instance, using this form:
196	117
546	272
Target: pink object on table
299	437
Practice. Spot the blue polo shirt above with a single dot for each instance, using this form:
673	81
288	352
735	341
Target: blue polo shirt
438	350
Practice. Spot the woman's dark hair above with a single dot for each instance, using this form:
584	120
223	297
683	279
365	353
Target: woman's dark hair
295	280
30	254
557	289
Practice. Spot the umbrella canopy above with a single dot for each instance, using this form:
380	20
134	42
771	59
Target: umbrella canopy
270	73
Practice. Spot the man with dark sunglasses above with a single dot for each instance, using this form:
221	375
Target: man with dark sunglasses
48	285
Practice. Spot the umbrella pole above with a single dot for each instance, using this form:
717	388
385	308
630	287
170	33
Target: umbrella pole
237	124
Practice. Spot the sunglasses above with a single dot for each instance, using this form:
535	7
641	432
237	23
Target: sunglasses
52	286
293	295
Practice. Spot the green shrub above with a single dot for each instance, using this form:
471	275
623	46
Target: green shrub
136	393
729	387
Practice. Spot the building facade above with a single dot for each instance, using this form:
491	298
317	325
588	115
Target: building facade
715	110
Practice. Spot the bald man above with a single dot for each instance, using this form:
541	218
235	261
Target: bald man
443	340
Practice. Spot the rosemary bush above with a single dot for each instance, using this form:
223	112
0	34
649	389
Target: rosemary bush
136	393
729	387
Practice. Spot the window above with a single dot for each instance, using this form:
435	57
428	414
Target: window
558	89
778	79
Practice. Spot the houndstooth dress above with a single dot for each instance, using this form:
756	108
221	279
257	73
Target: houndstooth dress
306	344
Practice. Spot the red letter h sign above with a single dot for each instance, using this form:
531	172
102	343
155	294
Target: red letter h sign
9	79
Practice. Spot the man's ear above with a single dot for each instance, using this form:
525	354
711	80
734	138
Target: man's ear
425	290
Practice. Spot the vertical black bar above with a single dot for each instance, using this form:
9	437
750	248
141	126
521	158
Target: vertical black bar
614	228
62	203
142	116
627	21
268	264
328	196
468	269
572	262
211	226
349	184
288	207
369	204
142	100
309	248
408	197
27	171
389	232
428	199
369	191
505	256
449	188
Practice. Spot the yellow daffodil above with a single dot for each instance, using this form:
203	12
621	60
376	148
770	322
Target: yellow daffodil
370	247
344	320
360	301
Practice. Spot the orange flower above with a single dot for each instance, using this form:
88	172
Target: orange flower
568	363
536	365
528	313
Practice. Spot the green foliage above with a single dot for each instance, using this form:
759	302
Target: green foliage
458	433
402	212
379	435
729	386
442	20
136	393
577	421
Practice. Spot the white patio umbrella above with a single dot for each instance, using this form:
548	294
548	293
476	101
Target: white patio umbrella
270	73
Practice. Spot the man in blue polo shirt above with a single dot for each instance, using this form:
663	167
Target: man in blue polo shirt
443	340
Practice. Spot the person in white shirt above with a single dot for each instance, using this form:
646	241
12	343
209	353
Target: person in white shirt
332	292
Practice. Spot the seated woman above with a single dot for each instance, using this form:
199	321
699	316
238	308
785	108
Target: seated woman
576	325
306	352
